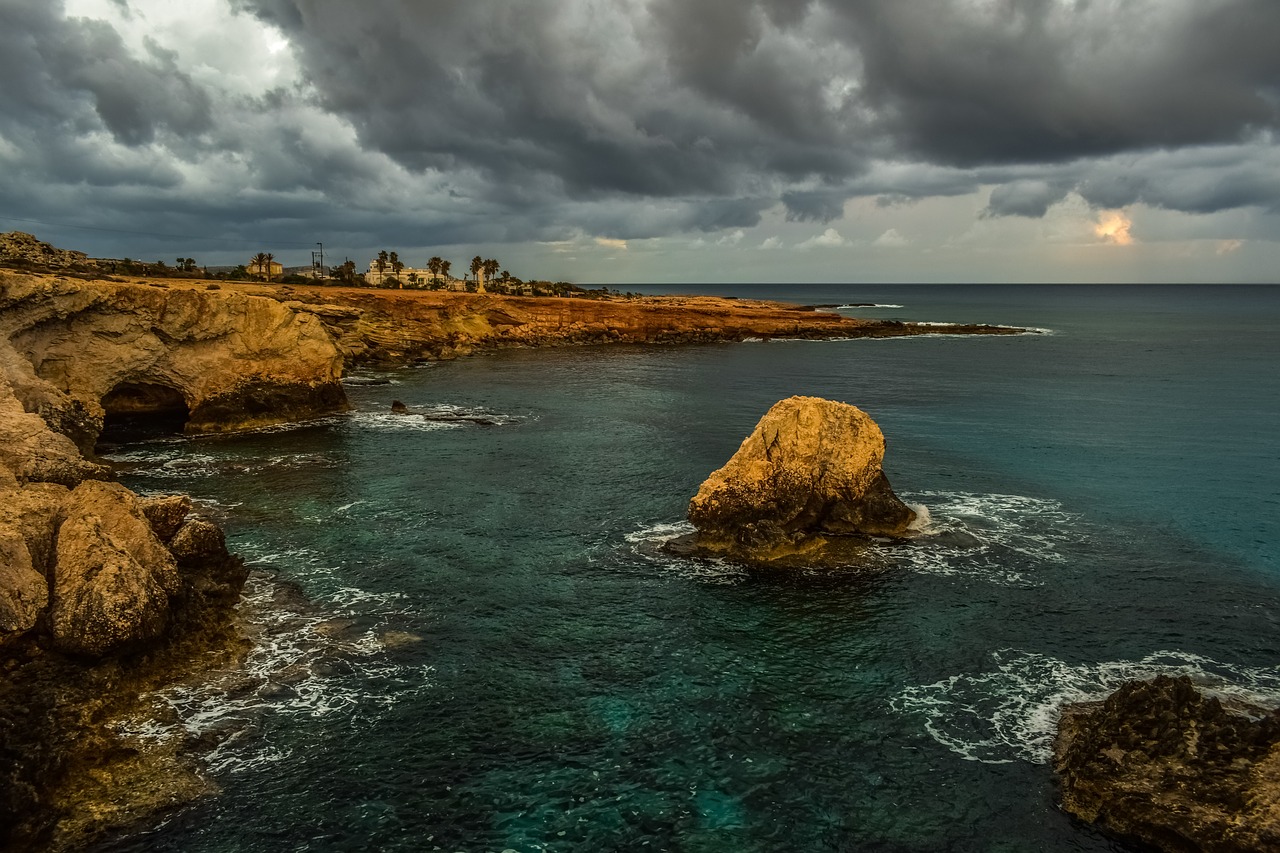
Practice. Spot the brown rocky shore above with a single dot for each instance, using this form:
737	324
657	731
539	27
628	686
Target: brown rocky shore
1160	763
105	594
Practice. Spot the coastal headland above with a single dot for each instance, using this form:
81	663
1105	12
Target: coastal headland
104	594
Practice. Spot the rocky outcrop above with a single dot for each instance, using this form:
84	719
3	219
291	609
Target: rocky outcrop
207	360
21	249
1162	764
103	595
809	471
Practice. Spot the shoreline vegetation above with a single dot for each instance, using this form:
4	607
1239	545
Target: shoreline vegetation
85	629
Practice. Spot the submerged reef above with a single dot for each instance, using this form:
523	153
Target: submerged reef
1160	763
805	481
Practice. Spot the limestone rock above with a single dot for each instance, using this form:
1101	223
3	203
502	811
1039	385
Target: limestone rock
199	542
166	513
113	578
810	469
31	452
23	591
18	247
31	512
214	360
1160	763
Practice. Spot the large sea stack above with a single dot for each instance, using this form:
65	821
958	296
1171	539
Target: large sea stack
809	471
1159	763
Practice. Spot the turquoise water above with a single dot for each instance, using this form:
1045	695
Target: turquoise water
469	640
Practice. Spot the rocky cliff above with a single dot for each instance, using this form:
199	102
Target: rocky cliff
401	325
1162	764
809	472
104	594
210	360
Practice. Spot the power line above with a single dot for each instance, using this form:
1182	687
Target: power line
152	233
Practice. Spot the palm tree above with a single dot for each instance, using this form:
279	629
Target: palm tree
396	266
270	258
477	264
433	266
491	268
381	264
260	264
445	266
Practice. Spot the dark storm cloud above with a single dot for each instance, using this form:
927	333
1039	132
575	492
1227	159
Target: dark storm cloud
487	120
54	68
999	81
726	99
1027	198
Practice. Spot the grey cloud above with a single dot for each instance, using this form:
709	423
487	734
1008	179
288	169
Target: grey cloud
1053	80
814	206
1026	198
497	121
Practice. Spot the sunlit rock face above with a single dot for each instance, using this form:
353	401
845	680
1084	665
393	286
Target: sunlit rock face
809	471
184	359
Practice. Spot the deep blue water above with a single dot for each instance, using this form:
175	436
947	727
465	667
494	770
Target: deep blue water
468	642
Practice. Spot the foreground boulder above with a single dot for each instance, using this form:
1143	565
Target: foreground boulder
1161	764
810	470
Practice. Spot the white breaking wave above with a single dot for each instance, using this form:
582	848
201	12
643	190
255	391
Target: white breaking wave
1012	713
867	307
1005	539
647	543
301	665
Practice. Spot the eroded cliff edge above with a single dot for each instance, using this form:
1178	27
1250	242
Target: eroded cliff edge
213	360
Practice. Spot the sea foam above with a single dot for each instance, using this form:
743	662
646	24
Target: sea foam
1011	713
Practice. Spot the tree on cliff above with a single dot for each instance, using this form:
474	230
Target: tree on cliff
270	258
433	267
381	264
477	264
260	264
491	268
445	266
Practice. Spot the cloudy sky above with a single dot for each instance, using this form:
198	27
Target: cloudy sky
626	141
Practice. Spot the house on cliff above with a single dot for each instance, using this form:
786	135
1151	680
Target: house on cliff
264	267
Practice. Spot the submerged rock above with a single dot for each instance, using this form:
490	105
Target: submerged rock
1159	763
810	470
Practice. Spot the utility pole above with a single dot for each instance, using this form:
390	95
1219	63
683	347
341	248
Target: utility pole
317	262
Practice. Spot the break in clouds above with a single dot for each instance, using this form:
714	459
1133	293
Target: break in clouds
429	122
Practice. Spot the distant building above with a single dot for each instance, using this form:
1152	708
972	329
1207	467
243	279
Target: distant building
265	269
425	278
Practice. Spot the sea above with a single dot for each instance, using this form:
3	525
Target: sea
467	636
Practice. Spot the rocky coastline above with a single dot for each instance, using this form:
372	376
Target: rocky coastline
104	594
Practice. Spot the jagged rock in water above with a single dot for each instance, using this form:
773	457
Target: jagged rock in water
1159	763
810	470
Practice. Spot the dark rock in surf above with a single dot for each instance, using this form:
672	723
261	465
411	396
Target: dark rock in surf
1159	763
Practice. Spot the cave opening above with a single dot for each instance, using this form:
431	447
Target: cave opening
138	411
